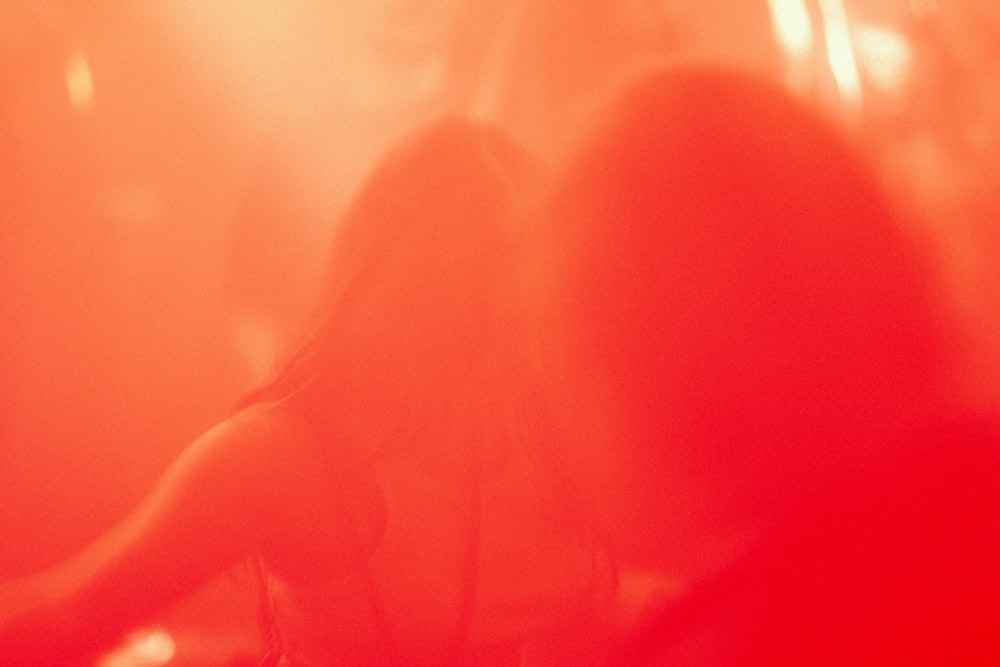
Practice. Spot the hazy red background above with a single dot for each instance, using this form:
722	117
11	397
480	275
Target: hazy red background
170	172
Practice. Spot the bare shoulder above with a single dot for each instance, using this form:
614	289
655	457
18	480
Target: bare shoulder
280	437
259	439
322	510
256	469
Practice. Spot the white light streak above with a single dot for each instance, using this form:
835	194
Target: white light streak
840	53
79	82
792	26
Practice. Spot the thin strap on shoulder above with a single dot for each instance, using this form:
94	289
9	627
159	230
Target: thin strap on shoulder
471	574
273	649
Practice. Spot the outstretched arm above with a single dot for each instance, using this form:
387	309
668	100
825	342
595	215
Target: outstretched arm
219	502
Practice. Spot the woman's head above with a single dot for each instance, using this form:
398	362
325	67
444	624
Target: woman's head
426	265
427	258
735	276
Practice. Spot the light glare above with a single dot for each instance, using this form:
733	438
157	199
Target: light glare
79	83
149	648
885	55
840	53
792	26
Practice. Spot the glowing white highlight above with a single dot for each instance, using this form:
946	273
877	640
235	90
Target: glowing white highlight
885	56
840	53
149	648
792	26
79	82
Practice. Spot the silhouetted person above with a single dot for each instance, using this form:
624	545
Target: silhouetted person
747	328
388	480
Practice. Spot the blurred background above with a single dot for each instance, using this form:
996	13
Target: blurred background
171	170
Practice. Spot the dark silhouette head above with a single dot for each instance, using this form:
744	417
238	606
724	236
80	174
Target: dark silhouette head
426	284
754	317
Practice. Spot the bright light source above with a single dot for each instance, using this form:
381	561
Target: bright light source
792	26
840	52
79	83
793	32
149	648
885	55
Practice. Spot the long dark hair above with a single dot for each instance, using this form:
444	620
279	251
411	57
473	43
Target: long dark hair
425	325
751	301
426	295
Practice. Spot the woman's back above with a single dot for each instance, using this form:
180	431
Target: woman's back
434	563
422	377
390	479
